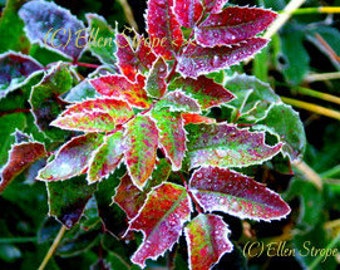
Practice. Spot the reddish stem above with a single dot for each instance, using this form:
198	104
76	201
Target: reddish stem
88	65
197	206
15	111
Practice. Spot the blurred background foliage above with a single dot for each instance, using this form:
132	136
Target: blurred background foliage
302	64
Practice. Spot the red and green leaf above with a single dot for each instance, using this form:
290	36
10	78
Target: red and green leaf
97	115
132	62
172	136
45	98
218	189
15	69
177	101
164	28
106	158
197	60
54	27
207	93
21	156
207	238
72	158
161	221
156	85
130	199
233	25
188	12
67	200
141	143
225	145
118	86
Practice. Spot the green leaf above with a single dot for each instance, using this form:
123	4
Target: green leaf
67	200
253	98
83	90
101	39
8	124
45	99
172	137
225	145
141	142
12	28
294	57
177	101
156	81
283	122
71	159
107	157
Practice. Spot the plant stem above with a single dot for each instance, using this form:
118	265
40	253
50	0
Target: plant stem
18	240
318	259
308	173
322	77
53	248
331	173
283	17
316	94
313	10
88	65
312	107
128	14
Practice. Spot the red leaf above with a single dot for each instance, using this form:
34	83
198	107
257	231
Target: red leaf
156	84
72	158
132	62
97	115
233	25
207	93
161	221
107	157
194	118
214	6
119	86
188	12
218	189
141	142
172	136
207	238
197	60
21	156
130	199
163	28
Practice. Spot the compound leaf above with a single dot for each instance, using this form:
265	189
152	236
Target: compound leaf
97	115
218	189
141	143
161	221
197	60
225	145
72	158
54	27
207	238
